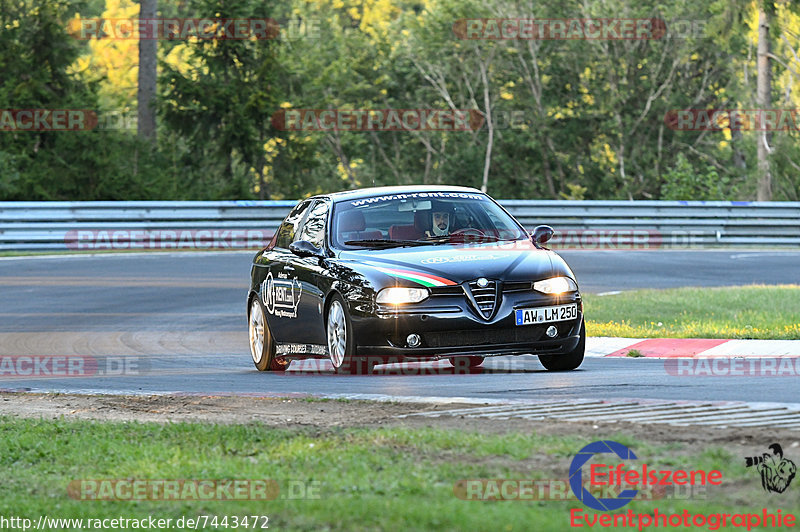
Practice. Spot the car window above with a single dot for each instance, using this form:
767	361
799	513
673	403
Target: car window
411	216
290	225
314	227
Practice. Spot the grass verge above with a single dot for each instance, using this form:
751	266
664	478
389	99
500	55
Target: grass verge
396	478
754	311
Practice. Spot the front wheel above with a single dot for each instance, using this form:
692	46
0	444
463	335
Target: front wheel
567	361
341	341
262	345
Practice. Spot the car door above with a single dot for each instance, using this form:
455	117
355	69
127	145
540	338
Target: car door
280	288
309	327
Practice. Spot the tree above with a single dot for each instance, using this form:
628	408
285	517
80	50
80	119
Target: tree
146	91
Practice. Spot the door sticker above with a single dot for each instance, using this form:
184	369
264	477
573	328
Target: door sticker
281	296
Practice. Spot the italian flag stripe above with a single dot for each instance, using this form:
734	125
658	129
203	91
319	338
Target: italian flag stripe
424	279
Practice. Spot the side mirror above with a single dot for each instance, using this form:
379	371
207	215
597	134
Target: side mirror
541	235
304	248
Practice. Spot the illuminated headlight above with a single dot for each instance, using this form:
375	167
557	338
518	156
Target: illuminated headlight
400	296
555	285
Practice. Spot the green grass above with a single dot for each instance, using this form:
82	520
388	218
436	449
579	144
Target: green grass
754	311
368	478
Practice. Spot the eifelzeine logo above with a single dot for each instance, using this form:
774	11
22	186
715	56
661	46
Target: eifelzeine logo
607	475
776	470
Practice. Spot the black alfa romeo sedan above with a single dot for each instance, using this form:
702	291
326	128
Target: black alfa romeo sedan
397	274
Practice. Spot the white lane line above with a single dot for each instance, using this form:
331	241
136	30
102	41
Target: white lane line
611	293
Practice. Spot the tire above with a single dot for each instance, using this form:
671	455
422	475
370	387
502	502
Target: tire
567	361
466	362
341	341
262	345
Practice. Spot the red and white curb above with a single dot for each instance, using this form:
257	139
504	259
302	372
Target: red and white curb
691	348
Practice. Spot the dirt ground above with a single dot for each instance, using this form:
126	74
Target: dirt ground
330	414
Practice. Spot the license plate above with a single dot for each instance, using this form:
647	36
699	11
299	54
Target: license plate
532	316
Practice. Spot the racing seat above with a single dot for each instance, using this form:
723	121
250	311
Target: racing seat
352	226
422	223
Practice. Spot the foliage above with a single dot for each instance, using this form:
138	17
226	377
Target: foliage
577	119
683	182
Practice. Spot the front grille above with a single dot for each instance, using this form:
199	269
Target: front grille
485	298
517	286
454	290
483	337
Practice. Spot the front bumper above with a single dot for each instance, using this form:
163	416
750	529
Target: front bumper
449	326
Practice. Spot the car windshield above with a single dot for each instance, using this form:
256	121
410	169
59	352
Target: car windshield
423	218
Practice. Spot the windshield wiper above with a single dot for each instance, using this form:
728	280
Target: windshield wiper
384	243
443	239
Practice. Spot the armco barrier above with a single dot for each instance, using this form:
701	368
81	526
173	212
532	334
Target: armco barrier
63	226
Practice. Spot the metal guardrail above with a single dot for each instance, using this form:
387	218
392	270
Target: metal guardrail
62	226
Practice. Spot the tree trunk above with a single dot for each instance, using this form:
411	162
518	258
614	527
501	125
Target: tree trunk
763	102
146	94
487	103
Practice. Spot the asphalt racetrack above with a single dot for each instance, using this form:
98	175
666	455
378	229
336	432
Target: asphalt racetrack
175	323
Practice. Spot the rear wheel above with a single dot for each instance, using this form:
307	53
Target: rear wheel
567	361
341	341
262	345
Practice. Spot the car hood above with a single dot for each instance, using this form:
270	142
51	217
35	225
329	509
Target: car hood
445	264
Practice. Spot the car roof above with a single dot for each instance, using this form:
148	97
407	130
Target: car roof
381	191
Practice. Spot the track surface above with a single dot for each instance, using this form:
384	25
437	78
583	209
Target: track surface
177	321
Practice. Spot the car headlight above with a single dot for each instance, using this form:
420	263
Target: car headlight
555	285
399	295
